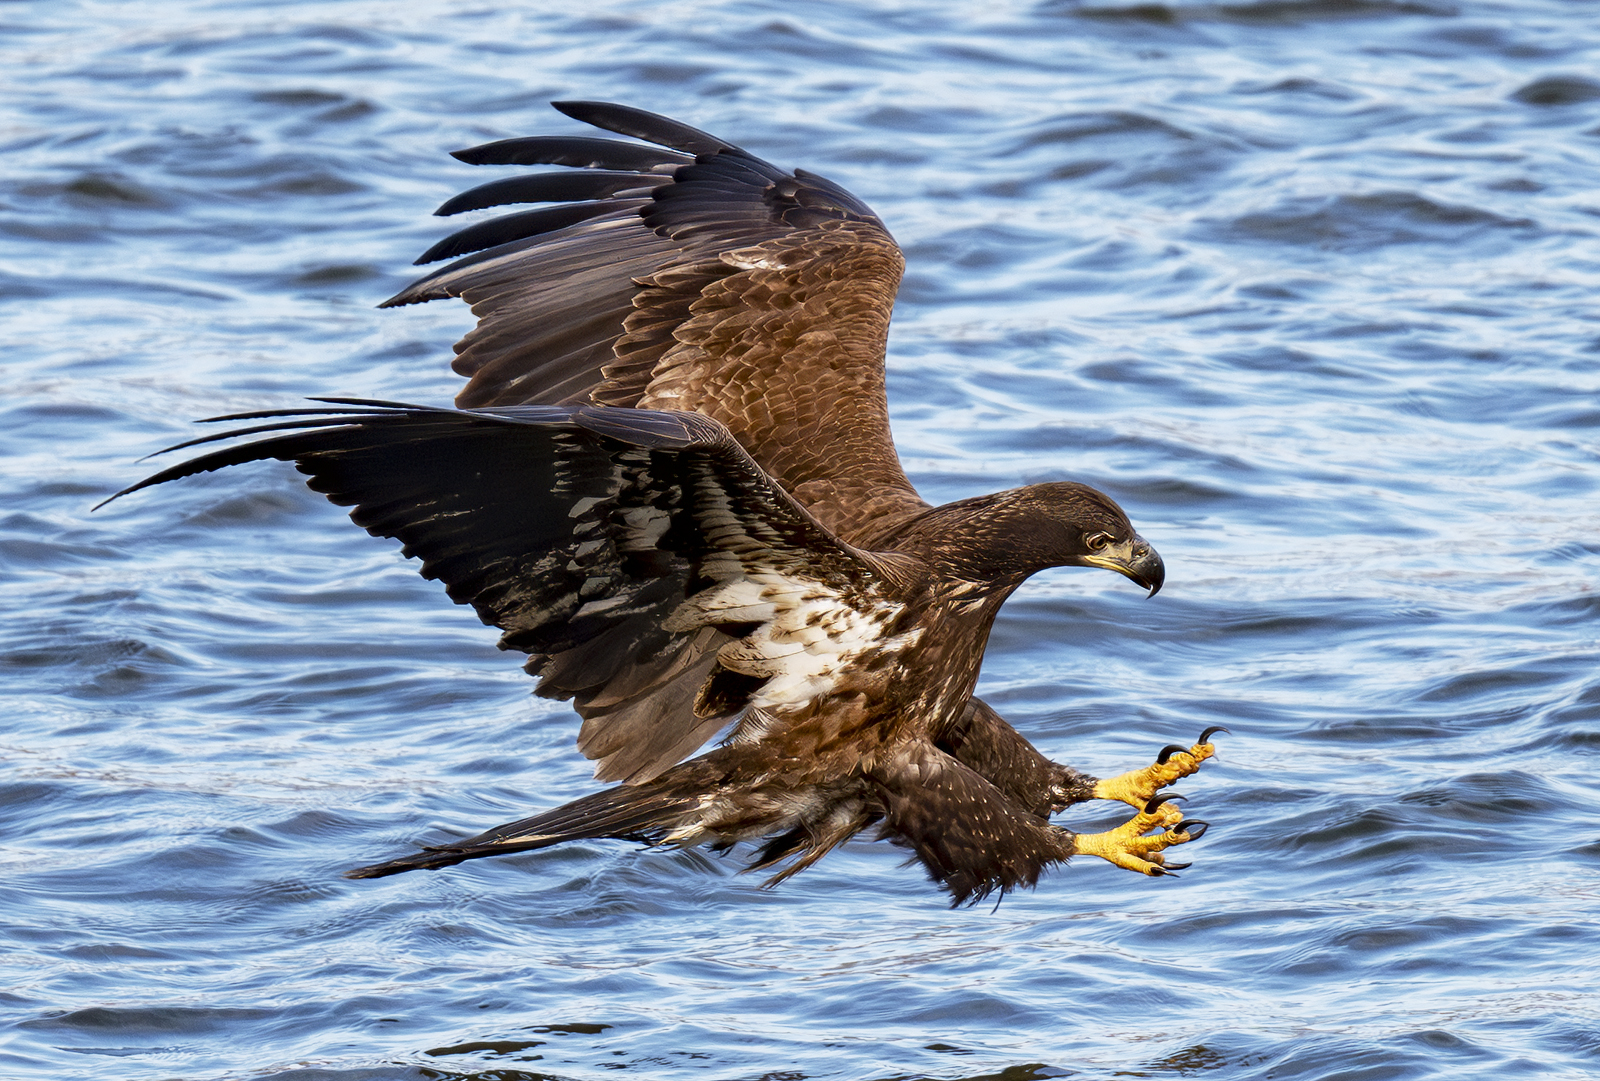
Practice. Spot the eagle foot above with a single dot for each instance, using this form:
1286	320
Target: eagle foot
1136	787
1128	846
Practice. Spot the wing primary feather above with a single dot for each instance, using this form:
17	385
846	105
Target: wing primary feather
419	291
504	230
299	411
435	285
549	188
640	124
206	463
332	421
379	404
578	151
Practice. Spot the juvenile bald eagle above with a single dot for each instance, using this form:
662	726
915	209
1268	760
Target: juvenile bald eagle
670	482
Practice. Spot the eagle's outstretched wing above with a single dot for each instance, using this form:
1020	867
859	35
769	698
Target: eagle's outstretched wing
650	568
687	275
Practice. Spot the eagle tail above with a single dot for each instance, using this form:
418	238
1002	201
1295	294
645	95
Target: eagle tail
637	813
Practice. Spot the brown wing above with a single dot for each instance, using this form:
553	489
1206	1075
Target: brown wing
696	277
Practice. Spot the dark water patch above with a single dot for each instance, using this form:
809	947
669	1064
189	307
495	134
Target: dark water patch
109	658
1300	85
1558	90
1116	149
1510	40
1492	684
1374	731
1055	437
14	288
1360	223
402	1073
1486	797
46	413
987	247
145	1023
1344	1059
21	800
1583	705
1266	13
81	287
1585	741
102	188
312	825
1519	185
22	552
308	98
1074	128
290	178
1571	415
336	274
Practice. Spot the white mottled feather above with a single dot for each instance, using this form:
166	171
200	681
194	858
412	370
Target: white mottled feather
808	634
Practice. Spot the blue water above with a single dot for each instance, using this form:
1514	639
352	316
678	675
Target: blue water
1310	286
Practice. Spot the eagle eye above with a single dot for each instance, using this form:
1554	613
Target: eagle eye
1097	541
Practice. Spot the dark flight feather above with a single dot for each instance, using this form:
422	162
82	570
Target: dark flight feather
639	124
549	188
505	229
575	150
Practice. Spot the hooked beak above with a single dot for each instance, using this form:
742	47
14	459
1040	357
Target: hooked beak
1135	559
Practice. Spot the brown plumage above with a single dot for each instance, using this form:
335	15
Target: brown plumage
670	481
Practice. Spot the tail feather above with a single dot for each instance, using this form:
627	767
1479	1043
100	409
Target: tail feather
645	813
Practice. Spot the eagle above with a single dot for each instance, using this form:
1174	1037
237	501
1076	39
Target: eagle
670	481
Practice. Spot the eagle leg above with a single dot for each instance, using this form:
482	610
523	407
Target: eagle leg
1136	787
1128	846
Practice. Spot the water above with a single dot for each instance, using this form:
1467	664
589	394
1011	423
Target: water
1307	285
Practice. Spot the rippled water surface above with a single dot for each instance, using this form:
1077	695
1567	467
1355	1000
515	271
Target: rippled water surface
1310	286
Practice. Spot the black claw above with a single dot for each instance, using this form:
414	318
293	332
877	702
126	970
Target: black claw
1156	871
1195	829
1168	751
1170	867
1155	801
1205	737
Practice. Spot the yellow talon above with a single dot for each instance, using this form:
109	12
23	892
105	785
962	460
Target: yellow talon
1136	787
1128	847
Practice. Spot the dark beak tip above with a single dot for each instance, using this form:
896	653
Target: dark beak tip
1155	574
